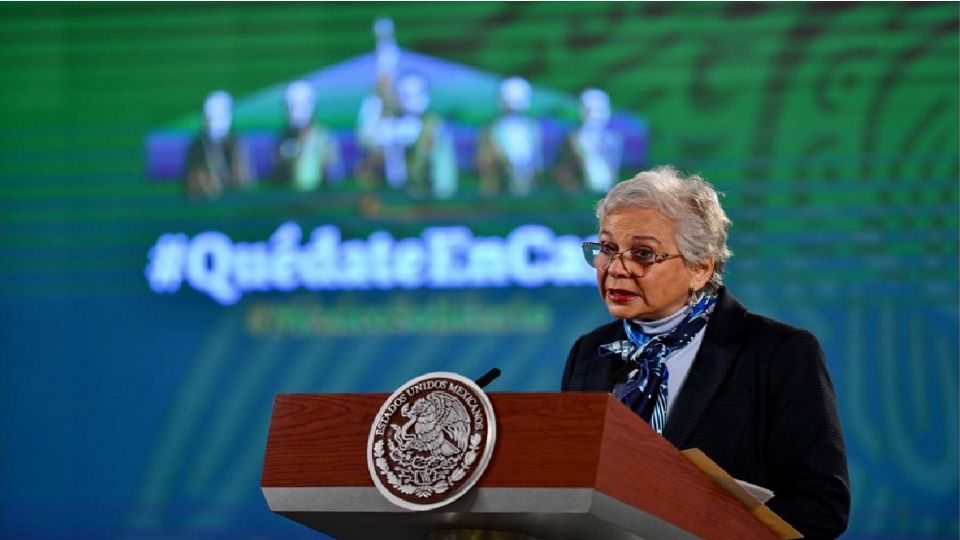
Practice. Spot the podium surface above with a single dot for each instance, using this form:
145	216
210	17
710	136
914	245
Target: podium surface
565	466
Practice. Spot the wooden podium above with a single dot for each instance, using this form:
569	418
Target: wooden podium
565	466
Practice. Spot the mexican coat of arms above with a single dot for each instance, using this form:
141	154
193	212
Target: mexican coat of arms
431	441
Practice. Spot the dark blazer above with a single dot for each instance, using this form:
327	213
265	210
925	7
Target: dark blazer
759	401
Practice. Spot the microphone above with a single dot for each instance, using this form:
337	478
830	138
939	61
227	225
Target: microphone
488	377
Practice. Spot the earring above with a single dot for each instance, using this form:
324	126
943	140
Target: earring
694	298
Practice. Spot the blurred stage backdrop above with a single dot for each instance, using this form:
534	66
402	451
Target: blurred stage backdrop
184	233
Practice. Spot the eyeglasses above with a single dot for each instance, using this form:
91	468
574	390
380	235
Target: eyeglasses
600	256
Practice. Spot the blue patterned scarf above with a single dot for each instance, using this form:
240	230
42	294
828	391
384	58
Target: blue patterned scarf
645	390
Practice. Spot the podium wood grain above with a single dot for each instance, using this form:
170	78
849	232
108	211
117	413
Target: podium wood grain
544	440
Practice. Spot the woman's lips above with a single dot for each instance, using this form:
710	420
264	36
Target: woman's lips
621	296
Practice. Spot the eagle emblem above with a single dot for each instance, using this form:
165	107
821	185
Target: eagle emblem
431	441
440	424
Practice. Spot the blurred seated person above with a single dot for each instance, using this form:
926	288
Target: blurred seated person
378	107
306	154
591	153
684	355
216	160
509	151
409	148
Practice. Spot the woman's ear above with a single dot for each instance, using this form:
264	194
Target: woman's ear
700	273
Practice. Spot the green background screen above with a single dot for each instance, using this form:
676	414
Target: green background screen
130	409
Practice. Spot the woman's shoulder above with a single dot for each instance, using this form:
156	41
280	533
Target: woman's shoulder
755	323
781	346
734	318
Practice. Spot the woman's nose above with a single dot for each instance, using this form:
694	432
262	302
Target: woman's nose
618	266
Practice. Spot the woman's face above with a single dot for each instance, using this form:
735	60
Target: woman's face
634	291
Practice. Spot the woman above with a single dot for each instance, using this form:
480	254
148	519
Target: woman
752	393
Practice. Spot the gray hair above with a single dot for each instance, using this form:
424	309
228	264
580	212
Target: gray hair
691	202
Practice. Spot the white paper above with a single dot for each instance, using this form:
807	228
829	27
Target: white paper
762	494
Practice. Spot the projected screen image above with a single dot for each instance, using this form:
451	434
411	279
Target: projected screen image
418	124
204	205
413	150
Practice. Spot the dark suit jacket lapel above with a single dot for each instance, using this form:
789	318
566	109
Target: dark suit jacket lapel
716	356
592	370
